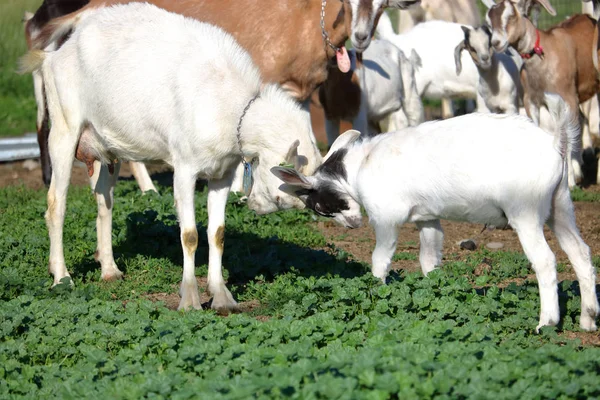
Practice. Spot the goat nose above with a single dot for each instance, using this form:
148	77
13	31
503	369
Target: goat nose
361	36
485	57
495	42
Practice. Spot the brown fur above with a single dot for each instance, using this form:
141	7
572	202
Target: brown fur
567	66
220	237
190	240
340	94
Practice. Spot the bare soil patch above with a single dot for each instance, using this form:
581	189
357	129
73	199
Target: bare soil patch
361	242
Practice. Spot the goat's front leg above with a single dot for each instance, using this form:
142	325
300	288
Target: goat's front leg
532	109
217	199
103	184
574	151
184	183
431	237
361	121
332	129
386	237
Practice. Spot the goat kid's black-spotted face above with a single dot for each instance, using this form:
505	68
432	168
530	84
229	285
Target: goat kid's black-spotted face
325	192
478	43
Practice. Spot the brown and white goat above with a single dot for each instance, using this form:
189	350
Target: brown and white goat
558	60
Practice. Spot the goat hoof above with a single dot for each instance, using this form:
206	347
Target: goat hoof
587	323
112	275
223	302
190	302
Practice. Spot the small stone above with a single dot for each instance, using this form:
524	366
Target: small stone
468	244
494	245
30	164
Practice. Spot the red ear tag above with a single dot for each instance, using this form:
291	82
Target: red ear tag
343	61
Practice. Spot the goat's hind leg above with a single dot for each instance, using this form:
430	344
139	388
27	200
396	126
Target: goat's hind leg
431	237
562	223
530	229
61	145
103	184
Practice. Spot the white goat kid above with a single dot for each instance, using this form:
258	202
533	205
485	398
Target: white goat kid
499	83
172	89
454	169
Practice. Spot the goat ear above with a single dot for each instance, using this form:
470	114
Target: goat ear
343	140
401	4
488	3
486	28
457	56
292	177
292	152
293	158
546	4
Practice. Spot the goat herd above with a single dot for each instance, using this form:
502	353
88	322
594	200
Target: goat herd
212	89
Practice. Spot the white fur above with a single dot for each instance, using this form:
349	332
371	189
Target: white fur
172	89
457	169
434	42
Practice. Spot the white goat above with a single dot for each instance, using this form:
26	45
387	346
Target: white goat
455	169
382	87
435	42
32	29
135	82
499	82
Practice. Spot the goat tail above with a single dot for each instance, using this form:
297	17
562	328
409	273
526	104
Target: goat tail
31	61
568	139
59	29
384	28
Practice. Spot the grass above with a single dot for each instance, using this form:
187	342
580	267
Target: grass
17	103
321	327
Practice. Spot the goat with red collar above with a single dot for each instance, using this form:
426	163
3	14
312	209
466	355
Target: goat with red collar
561	59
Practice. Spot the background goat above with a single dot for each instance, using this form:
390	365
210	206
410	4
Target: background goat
435	43
558	60
499	84
171	89
382	87
454	169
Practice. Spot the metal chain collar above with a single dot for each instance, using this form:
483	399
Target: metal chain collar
239	126
323	31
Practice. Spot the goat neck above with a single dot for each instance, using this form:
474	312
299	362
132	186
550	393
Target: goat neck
338	25
529	40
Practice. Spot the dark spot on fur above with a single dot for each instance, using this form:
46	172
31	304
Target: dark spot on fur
220	237
325	201
334	166
190	240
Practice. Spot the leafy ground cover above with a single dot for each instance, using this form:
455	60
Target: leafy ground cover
320	325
